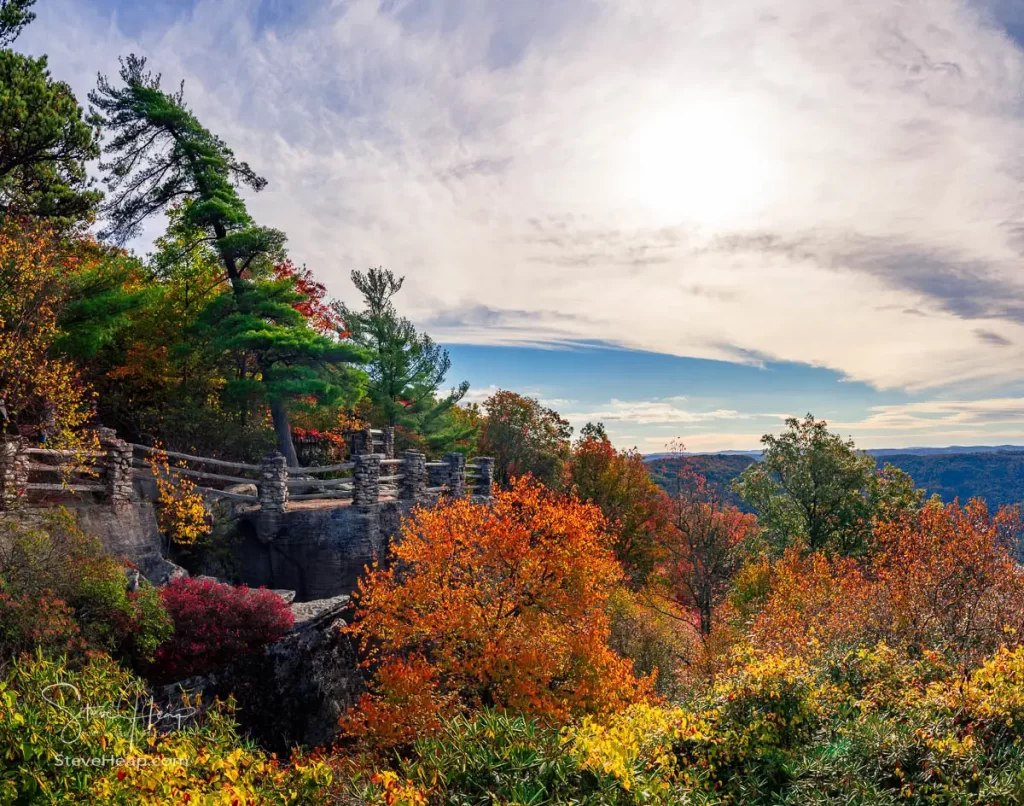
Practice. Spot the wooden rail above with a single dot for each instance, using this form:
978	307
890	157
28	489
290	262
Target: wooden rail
369	479
203	459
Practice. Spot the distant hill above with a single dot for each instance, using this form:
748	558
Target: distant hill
718	468
876	452
995	474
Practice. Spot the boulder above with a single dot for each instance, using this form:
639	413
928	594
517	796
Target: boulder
296	690
160	571
307	613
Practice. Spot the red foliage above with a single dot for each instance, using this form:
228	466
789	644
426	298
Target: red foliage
699	551
320	315
215	623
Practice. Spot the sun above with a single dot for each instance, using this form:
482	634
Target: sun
700	162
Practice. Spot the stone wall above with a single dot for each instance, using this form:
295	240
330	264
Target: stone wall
127	530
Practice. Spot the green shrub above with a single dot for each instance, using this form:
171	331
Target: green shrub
58	561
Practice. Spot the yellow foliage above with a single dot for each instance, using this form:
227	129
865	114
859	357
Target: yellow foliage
181	511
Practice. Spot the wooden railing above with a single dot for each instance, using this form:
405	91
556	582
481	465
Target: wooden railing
367	480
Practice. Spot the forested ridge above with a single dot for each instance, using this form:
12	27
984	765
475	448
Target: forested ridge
996	476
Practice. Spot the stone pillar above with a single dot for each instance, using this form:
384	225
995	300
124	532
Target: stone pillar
484	476
437	476
456	474
414	476
274	485
366	480
119	467
389	442
13	472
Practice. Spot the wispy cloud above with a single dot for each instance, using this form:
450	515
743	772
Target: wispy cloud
667	411
944	416
824	182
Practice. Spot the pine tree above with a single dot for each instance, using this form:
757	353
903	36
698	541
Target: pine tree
406	367
46	141
160	155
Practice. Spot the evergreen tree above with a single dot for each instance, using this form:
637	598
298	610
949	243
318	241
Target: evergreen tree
46	141
159	155
406	368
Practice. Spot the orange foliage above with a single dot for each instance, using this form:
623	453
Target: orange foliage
618	483
502	605
940	579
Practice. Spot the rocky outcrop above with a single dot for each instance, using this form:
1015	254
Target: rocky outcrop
297	689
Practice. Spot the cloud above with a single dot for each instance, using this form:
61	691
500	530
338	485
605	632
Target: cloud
817	181
667	411
948	417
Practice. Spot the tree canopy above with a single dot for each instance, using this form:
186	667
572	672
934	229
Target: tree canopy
811	487
160	155
46	140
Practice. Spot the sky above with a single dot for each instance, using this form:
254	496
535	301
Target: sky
687	219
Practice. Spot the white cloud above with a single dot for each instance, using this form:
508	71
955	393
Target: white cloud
817	181
950	417
666	411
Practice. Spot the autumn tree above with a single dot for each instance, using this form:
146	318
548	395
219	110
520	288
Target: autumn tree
500	605
700	550
524	437
940	579
39	391
46	141
159	155
811	487
406	367
619	484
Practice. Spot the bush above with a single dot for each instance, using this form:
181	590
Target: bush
215	623
51	714
58	561
29	623
494	758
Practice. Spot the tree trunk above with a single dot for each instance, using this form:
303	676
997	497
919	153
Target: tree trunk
284	432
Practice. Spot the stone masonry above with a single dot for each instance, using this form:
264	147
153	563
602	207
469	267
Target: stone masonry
484	476
414	476
13	472
118	466
273	490
456	474
366	480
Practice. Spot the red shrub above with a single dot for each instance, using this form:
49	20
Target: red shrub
216	623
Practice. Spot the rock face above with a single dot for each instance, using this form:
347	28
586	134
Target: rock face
295	692
317	552
125	529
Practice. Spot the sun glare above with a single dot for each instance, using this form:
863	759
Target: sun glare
700	163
